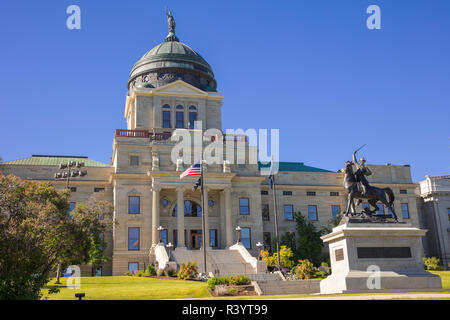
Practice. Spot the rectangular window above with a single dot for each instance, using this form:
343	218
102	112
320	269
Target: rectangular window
334	194
192	119
164	236
244	207
448	211
101	236
133	266
175	238
180	119
402	191
311	193
365	205
287	193
166	119
265	212
264	192
381	207
405	211
134	204
335	211
98	272
134	160
213	238
312	213
99	189
267	239
246	238
289	212
133	238
73	189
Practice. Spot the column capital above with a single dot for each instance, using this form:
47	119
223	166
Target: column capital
227	189
155	187
180	188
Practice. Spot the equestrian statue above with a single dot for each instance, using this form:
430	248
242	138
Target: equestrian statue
359	189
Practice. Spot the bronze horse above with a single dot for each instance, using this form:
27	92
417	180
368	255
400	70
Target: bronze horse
372	196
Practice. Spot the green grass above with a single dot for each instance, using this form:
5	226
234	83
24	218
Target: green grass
129	288
142	288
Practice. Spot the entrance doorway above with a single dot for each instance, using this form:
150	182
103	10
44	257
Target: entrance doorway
196	239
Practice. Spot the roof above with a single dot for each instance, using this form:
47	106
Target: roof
293	166
43	160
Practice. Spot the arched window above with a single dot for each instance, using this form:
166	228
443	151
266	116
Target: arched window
191	209
166	106
180	107
192	108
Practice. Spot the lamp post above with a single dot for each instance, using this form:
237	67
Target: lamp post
170	246
239	229
67	175
160	229
259	245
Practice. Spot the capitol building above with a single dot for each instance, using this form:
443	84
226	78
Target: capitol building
172	86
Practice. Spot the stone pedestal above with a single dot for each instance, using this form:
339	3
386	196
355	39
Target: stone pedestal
377	257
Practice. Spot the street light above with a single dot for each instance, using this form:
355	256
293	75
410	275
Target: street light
160	229
238	229
170	246
259	245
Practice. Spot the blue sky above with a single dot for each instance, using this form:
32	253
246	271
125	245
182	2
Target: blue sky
310	68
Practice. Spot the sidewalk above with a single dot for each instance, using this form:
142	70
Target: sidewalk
376	297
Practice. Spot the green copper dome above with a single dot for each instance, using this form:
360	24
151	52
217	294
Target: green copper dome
170	61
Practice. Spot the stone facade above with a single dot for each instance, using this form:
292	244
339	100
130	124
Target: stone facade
434	207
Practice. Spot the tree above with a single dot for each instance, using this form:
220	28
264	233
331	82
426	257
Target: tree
310	245
286	255
288	239
36	233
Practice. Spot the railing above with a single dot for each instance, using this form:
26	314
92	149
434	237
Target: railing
143	134
165	135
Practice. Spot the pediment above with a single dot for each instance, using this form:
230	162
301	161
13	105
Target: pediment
180	87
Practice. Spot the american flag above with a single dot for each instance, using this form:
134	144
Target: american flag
194	170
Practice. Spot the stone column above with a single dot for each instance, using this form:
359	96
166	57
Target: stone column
205	212
155	213
180	217
228	221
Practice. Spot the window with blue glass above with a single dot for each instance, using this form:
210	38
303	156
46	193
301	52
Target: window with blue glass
335	211
213	238
405	211
133	239
312	212
365	205
166	119
98	272
133	266
244	207
191	209
180	119
289	212
100	247
71	208
134	204
246	238
164	236
192	119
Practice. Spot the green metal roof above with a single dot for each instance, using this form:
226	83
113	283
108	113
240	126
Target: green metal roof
38	160
293	166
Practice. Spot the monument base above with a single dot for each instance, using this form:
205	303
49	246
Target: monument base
377	257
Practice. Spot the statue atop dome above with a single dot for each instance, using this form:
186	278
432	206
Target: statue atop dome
171	22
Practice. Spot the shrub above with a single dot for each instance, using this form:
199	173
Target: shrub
238	280
432	263
232	290
129	273
151	271
170	272
304	270
140	273
286	255
215	281
320	273
188	270
160	272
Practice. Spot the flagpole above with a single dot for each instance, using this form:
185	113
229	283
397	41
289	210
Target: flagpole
276	220
203	215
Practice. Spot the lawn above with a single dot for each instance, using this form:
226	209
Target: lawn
142	288
129	288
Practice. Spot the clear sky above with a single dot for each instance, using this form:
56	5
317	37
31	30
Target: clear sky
310	68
